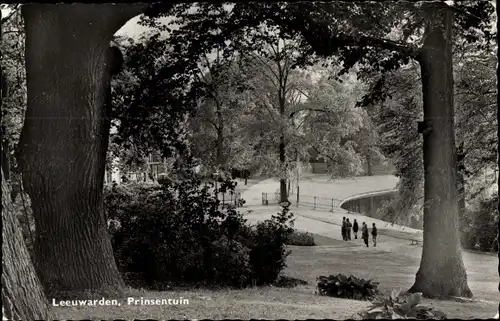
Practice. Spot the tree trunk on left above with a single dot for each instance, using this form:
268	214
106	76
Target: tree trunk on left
442	272
22	292
63	139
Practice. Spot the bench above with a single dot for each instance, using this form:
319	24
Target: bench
414	242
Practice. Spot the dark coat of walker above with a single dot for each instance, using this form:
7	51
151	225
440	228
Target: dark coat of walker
374	234
344	229
355	228
365	234
348	229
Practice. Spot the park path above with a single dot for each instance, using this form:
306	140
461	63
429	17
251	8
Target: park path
392	238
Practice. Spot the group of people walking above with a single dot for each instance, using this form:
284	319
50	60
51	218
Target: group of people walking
348	226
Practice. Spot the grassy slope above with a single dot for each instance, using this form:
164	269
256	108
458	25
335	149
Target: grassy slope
330	256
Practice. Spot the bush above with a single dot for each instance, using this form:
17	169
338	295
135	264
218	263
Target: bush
351	287
300	239
269	253
179	233
397	307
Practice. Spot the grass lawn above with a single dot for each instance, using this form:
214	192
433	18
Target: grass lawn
330	256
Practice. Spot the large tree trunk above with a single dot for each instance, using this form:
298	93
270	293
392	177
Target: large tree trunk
63	138
22	293
498	150
442	272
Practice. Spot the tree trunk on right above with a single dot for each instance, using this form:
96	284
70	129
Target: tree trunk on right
498	150
442	272
283	192
22	293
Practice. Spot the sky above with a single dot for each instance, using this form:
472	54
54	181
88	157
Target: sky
132	28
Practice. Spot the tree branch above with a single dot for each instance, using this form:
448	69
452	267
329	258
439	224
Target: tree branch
346	40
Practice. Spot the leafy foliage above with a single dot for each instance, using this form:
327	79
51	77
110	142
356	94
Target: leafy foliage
272	88
269	253
334	126
395	306
14	75
350	287
178	233
475	118
396	119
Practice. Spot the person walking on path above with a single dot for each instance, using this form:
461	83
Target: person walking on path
348	229
364	233
355	229
374	234
344	229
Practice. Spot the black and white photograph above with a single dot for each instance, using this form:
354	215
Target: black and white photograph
250	160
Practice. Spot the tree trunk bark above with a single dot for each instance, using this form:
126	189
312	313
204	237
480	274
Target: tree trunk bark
498	150
63	139
442	272
22	293
369	164
283	194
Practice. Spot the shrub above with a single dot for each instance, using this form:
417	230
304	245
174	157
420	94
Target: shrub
269	253
179	233
351	287
395	306
300	239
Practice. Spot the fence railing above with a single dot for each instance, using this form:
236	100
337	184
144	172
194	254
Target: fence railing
230	198
313	202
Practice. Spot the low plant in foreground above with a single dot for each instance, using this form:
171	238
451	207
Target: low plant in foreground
300	239
350	287
396	306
